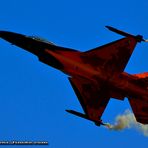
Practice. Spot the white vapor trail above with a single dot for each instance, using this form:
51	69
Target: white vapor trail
128	120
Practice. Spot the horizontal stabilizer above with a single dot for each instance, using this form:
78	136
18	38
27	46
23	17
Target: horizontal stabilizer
140	109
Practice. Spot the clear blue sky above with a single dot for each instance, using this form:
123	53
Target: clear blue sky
34	96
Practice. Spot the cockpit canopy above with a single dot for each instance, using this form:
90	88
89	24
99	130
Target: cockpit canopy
41	40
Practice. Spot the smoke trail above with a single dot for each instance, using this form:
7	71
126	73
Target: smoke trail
127	120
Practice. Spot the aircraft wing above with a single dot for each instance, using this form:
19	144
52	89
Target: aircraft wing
92	96
112	57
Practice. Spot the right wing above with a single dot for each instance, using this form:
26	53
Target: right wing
92	96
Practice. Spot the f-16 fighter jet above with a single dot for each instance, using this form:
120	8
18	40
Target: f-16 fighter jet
95	75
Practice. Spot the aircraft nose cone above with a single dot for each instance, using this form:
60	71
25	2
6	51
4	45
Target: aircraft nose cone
21	41
6	33
10	36
3	33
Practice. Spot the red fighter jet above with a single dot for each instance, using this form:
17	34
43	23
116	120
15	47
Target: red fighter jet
95	75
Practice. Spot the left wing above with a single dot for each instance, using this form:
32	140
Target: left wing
92	96
112	57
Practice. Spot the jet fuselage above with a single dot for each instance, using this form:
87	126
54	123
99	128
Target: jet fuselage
124	83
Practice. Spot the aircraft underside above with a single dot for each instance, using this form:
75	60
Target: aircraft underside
95	75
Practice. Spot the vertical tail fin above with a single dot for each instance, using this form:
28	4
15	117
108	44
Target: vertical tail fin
142	75
142	79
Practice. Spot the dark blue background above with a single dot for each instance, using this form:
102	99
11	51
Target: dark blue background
34	96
